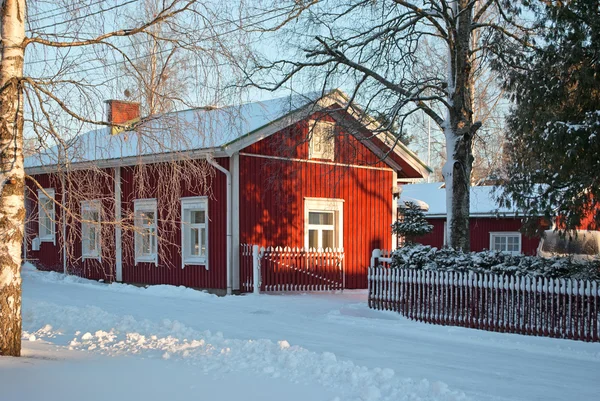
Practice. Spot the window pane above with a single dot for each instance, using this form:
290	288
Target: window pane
203	241
198	217
146	245
147	218
92	239
194	244
153	240
313	238
324	218
327	241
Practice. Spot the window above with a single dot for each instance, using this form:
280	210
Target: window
90	229
509	242
194	231
323	223
46	215
145	231
322	141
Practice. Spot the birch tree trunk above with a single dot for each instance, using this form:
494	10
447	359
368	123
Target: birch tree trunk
12	176
459	129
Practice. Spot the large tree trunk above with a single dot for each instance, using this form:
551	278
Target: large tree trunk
459	130
12	175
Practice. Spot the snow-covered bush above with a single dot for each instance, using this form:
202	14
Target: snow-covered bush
413	223
424	257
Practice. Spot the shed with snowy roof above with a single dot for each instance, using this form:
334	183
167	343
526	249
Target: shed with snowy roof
491	226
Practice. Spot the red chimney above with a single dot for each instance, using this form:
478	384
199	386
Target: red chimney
122	112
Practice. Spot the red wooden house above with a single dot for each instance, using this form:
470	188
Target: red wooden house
275	175
491	227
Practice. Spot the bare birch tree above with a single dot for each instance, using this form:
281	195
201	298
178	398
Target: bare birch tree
77	52
376	50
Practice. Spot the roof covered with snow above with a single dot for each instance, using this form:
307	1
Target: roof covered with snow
483	199
187	130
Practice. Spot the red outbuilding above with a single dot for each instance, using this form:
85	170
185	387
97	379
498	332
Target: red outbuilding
491	227
179	199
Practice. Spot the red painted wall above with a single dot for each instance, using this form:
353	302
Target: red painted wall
480	233
272	198
169	270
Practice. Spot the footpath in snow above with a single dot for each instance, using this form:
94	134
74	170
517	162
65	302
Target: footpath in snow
87	340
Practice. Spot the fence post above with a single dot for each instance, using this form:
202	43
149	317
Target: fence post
256	269
375	255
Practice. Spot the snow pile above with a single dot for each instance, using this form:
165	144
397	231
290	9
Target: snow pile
164	291
92	329
425	257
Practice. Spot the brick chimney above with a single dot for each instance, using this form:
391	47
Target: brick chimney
122	112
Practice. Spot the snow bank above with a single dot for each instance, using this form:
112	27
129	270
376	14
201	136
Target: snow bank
93	329
163	291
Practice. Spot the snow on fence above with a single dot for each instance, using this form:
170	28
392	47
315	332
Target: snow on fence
564	308
291	269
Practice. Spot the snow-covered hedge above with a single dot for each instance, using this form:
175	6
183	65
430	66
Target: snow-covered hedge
422	257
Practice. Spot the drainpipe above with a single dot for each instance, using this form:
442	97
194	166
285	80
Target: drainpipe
63	201
211	160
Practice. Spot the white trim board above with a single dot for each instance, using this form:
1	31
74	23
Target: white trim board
290	159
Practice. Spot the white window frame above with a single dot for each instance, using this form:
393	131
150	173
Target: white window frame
326	205
91	206
513	234
193	203
327	150
147	205
51	214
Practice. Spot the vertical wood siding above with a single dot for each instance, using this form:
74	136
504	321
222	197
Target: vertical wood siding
169	270
272	193
480	233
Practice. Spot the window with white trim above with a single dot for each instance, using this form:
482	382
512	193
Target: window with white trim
509	242
91	229
323	223
46	215
146	236
194	231
322	140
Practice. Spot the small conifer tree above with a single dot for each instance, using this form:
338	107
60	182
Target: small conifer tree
412	224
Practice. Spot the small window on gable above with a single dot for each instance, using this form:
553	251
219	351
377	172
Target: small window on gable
322	140
146	235
509	242
194	231
46	215
90	229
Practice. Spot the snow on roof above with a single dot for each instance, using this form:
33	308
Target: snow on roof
422	205
483	199
194	129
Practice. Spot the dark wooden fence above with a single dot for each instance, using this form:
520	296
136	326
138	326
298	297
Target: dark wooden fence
563	308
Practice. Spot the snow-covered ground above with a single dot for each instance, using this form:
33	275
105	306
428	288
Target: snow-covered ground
90	341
